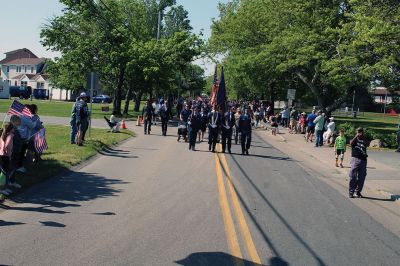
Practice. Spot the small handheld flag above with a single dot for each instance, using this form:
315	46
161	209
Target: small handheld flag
19	109
40	141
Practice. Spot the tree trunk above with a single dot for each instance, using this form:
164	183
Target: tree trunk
137	102
311	85
272	97
118	90
128	99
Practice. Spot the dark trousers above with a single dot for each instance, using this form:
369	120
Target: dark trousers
319	138
236	134
164	125
21	156
9	171
192	137
245	141
147	126
226	139
284	122
212	137
357	175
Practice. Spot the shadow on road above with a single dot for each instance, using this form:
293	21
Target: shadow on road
116	153
4	223
66	191
52	224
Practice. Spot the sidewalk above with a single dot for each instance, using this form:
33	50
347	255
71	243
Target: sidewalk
383	166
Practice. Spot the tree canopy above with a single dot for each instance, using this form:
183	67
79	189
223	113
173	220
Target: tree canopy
325	49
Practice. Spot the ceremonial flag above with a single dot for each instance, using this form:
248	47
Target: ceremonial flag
214	88
19	109
40	141
221	91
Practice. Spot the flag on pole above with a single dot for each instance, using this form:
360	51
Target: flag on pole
19	109
221	97
214	88
40	141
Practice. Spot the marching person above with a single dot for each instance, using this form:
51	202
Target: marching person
164	115
237	118
227	130
358	170
147	114
204	122
245	131
194	127
214	122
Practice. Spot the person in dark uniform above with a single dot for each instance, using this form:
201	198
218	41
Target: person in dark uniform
359	157
147	114
214	122
164	115
245	131
204	122
194	127
227	130
184	117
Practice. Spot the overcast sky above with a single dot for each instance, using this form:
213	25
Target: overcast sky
23	19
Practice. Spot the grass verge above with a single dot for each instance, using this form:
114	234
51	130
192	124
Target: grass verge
63	109
61	155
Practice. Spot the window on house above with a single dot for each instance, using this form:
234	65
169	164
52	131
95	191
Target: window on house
24	83
24	69
8	69
32	70
16	83
40	85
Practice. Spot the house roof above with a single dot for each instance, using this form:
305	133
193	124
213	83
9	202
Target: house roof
16	54
24	61
32	76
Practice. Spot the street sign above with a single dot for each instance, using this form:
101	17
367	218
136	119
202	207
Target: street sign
291	94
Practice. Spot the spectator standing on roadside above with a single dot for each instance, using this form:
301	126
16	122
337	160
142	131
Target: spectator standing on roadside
116	119
310	126
82	118
285	115
330	130
74	129
6	146
294	114
359	157
340	148
319	129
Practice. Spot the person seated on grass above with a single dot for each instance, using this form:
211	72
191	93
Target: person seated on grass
25	129
115	119
16	151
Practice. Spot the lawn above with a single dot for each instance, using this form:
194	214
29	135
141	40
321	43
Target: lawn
61	155
63	109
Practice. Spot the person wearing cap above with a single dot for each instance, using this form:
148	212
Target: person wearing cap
245	131
164	113
330	129
237	118
147	114
214	122
82	118
319	129
359	157
204	122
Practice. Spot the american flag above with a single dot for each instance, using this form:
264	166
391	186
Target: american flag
214	88
40	141
19	109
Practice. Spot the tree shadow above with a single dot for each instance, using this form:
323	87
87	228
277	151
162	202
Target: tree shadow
4	223
52	224
66	191
222	259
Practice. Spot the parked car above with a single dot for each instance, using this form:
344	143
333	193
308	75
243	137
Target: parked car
41	94
21	92
102	99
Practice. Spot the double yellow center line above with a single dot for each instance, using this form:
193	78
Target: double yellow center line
232	238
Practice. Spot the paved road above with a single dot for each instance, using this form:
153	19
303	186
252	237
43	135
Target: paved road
153	202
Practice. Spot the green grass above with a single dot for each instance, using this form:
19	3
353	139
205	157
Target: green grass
63	109
61	155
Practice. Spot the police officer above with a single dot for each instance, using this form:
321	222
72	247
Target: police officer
214	122
164	115
227	129
194	127
147	114
245	131
184	117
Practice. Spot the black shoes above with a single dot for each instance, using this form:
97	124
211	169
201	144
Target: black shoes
247	152
351	195
229	151
209	147
358	194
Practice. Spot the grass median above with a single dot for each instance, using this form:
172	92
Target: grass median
61	155
63	109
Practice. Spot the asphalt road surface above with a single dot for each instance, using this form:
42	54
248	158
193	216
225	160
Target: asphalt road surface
151	201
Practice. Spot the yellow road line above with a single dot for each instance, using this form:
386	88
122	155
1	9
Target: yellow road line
227	217
251	248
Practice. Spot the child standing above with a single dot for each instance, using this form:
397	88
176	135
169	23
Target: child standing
6	146
340	147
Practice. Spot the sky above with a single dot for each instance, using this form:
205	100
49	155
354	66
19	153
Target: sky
20	27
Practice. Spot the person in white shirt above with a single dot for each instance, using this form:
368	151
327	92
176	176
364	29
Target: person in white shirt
330	129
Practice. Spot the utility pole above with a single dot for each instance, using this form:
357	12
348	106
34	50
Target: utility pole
384	106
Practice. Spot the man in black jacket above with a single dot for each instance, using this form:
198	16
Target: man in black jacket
245	131
358	170
194	127
164	115
227	129
214	122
